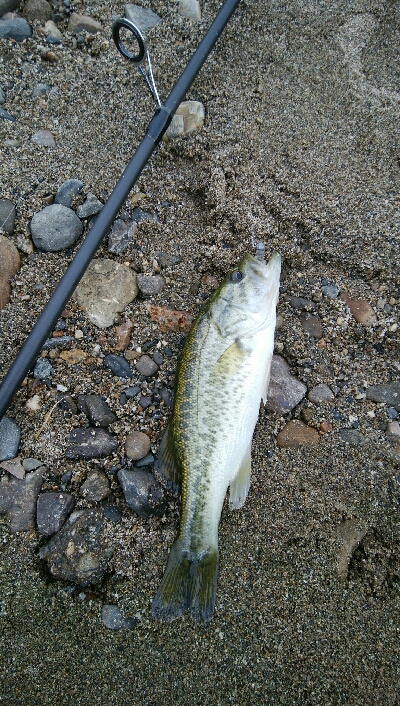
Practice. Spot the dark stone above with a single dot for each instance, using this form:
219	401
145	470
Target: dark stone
389	393
132	391
146	461
166	396
55	228
121	236
96	487
10	436
97	410
165	259
79	552
138	215
312	325
18	499
111	513
4	113
91	207
7	216
157	357
15	27
352	437
301	303
118	365
67	191
143	493
90	443
52	510
8	6
145	402
59	342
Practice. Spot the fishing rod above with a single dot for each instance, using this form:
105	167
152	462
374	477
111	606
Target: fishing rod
155	130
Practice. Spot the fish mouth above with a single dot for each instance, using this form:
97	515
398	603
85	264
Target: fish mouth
265	270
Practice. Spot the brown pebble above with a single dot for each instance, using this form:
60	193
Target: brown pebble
307	415
74	356
9	265
296	434
49	56
58	334
169	319
325	426
123	334
137	445
361	310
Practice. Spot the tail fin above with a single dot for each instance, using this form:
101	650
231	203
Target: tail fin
187	585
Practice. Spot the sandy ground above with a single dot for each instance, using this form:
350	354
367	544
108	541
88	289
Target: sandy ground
298	150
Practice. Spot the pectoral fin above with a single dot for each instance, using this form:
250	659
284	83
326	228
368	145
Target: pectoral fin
230	361
267	375
166	462
239	486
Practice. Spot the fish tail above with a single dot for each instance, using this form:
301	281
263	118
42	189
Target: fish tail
187	585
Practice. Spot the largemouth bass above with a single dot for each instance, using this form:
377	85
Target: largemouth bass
222	376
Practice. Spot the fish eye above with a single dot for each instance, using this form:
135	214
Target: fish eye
236	276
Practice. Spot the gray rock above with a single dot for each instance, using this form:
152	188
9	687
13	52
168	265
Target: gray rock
52	510
166	396
146	461
158	358
6	115
321	393
18	499
121	236
352	437
55	228
31	464
38	10
96	487
146	366
91	206
143	493
2	96
90	443
82	23
150	285
68	190
138	216
10	436
132	391
79	551
14	27
145	401
7	216
43	138
190	9
15	467
142	17
41	89
312	325
302	303
331	291
111	513
118	365
137	445
113	619
58	342
284	391
165	259
388	392
8	6
43	369
97	410
105	290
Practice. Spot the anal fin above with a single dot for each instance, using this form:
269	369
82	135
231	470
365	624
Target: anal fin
239	486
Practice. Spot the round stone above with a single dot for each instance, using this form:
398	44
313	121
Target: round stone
146	366
55	228
137	445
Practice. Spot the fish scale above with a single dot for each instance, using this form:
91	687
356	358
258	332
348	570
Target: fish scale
222	376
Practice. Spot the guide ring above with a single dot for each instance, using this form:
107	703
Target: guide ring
138	58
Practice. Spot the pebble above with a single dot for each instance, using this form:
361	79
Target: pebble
158	358
137	445
14	467
393	431
79	552
321	393
5	114
146	461
166	396
113	619
190	9
331	291
73	356
302	303
97	410
18	499
145	402
43	138
2	100
284	391
14	27
150	285
39	10
296	434
169	319
118	365
91	207
42	89
55	228
82	23
9	266
389	393
92	442
52	510
52	30
143	493
10	436
123	335
142	17
43	369
138	216
146	366
111	513
188	117
7	216
31	464
96	486
121	236
167	260
8	6
392	413
105	290
132	391
312	325
67	190
352	437
361	310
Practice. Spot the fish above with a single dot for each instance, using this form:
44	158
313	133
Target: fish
223	374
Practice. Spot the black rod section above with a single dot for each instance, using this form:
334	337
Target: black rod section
157	126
